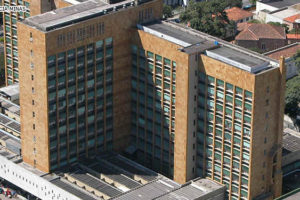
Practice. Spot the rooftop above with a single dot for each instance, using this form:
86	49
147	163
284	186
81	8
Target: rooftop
111	181
281	3
238	59
75	2
194	41
283	13
193	190
286	51
236	13
292	18
291	141
261	31
10	124
10	92
73	14
10	106
293	36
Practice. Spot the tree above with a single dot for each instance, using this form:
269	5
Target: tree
208	17
167	11
296	58
255	21
233	3
292	97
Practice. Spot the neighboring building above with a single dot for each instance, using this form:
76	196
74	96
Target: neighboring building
197	189
10	109
292	21
275	10
280	15
293	195
239	15
273	5
172	98
108	176
288	52
292	38
11	92
264	37
290	151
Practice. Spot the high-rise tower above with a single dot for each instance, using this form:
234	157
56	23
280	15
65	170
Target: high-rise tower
75	80
97	77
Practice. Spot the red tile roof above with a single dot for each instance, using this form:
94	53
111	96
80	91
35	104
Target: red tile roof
293	36
292	19
236	13
287	51
261	31
242	26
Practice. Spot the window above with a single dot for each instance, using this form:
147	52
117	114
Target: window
32	77
158	58
33	126
150	54
267	102
33	114
32	102
263	46
32	89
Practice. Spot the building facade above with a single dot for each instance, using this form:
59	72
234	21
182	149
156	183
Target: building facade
34	7
220	126
176	100
75	83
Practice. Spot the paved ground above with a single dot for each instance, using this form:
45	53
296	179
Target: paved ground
2	197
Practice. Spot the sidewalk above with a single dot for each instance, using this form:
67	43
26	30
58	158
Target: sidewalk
2	197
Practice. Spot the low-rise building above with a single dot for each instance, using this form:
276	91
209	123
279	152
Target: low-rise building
293	195
288	52
272	5
264	37
290	151
291	21
292	38
110	176
281	15
239	15
11	92
282	11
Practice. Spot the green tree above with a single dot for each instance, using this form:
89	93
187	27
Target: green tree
255	21
292	97
233	3
296	58
167	11
208	17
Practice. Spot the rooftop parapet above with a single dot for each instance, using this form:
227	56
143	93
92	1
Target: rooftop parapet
193	41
